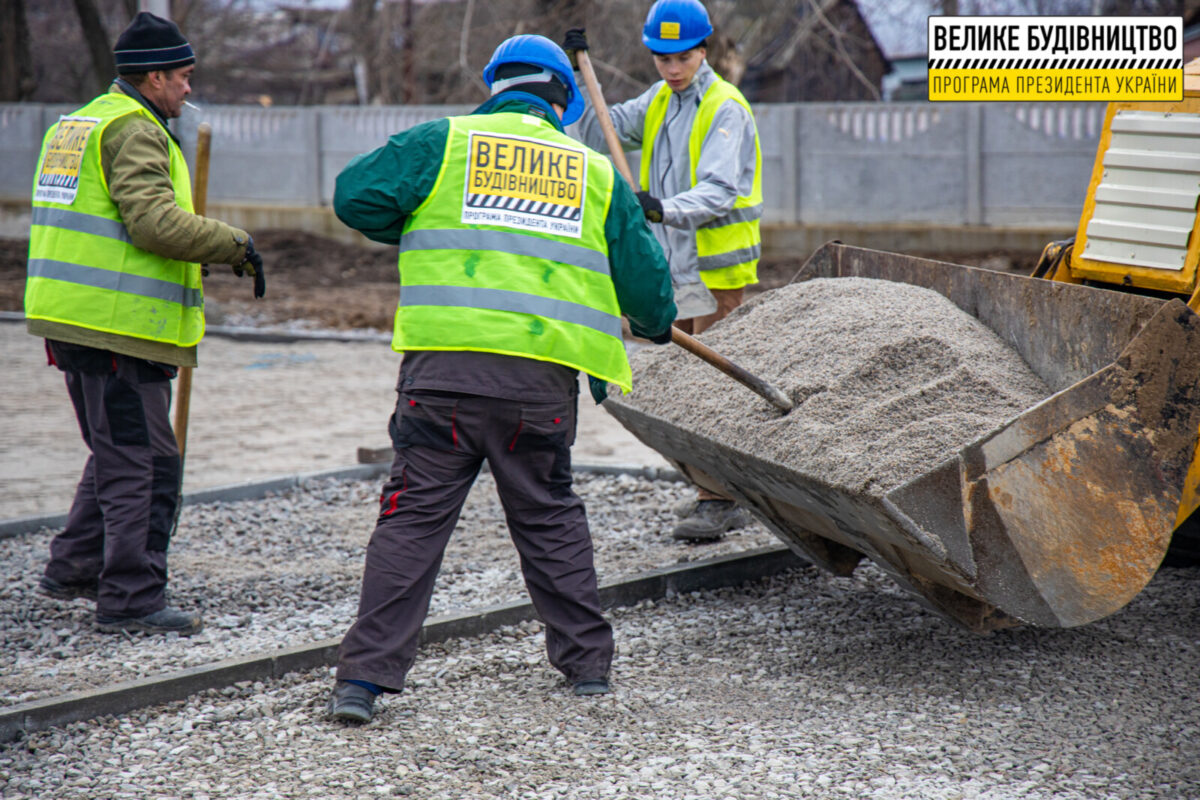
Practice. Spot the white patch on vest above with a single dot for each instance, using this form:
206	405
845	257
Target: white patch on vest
58	174
525	183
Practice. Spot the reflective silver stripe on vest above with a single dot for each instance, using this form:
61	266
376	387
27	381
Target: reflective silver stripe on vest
512	243
747	214
80	223
518	302
116	281
732	257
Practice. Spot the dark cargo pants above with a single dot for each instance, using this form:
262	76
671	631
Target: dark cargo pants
124	509
440	442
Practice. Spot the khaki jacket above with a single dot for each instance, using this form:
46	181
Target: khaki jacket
136	160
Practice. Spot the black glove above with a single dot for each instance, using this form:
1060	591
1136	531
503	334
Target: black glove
253	264
659	338
598	388
574	41
651	206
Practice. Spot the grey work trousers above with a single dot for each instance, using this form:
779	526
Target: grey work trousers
440	442
123	513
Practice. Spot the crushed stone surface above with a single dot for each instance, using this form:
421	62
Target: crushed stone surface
888	379
286	570
802	686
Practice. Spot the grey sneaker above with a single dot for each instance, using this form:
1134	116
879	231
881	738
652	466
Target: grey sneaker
68	591
351	703
166	620
591	686
710	520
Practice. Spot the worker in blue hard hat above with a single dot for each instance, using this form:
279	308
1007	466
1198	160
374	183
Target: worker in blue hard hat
520	249
700	187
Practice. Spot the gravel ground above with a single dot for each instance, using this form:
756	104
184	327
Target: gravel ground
286	571
804	685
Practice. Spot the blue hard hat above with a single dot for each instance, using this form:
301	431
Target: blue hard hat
673	26
538	51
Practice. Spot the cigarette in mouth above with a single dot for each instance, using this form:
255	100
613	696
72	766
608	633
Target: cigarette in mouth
192	106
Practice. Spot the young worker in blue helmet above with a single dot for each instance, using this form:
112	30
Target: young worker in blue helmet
700	185
519	251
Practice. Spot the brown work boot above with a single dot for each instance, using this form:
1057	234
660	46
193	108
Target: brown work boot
710	520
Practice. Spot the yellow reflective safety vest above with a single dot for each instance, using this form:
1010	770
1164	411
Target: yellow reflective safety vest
508	253
83	268
728	247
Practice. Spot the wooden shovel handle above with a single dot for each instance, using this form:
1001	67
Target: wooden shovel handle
750	381
183	392
747	379
610	133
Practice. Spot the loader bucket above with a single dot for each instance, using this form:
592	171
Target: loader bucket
1058	517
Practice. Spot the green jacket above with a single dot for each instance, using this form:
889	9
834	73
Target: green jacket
135	158
377	191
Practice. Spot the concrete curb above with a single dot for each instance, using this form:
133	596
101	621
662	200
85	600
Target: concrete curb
256	490
21	720
265	335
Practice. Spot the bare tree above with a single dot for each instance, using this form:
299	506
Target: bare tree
366	38
16	66
98	43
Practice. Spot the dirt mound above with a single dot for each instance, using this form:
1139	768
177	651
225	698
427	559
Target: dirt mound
316	282
312	282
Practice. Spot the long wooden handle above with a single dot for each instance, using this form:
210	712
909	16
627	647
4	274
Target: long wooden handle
610	133
183	397
203	151
747	379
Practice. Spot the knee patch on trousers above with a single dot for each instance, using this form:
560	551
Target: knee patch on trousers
164	499
126	414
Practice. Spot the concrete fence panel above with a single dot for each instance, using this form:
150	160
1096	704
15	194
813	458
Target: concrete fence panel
873	163
827	164
777	138
21	133
1037	160
259	155
346	132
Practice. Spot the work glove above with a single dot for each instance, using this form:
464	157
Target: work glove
573	42
652	207
253	265
659	338
598	388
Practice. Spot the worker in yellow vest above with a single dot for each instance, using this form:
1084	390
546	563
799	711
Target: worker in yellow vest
519	252
700	184
113	287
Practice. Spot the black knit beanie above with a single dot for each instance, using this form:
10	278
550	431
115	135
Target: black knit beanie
151	43
553	91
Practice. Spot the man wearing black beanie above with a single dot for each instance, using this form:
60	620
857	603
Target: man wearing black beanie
114	288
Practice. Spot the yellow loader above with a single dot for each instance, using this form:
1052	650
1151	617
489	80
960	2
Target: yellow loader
1061	515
